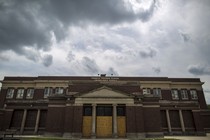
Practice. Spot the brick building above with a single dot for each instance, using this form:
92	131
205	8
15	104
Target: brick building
103	106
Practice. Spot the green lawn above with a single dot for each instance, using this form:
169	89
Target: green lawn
46	138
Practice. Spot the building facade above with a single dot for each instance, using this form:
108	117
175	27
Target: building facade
103	106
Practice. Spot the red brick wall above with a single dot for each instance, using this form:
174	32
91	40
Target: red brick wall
152	119
55	119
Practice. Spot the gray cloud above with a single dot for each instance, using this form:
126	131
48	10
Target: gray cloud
70	56
185	36
112	71
150	52
89	65
31	23
199	70
47	60
156	69
4	57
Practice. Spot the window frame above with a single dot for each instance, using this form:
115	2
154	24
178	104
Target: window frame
173	94
184	94
146	91
59	89
195	93
47	92
157	92
30	91
20	93
9	93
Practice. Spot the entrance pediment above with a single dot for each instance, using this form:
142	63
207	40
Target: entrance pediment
105	92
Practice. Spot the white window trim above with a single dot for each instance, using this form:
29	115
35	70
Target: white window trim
146	91
192	91
47	91
157	92
173	93
30	92
20	93
10	92
185	93
58	90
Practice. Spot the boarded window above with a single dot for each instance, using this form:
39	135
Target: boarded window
31	118
16	119
43	118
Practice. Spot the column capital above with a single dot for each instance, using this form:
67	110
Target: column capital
94	104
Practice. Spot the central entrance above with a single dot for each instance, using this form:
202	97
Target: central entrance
104	121
104	115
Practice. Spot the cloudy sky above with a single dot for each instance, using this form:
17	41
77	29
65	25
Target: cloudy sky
88	37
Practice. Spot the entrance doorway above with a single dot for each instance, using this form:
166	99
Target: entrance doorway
104	121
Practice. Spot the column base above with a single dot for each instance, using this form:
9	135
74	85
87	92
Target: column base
115	135
93	135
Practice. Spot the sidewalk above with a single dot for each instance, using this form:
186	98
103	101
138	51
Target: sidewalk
207	137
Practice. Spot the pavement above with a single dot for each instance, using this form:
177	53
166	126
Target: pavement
207	137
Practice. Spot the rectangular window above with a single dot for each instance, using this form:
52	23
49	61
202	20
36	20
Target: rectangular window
20	93
146	91
104	110
30	93
87	111
59	90
175	95
184	94
193	94
10	93
47	92
157	92
120	110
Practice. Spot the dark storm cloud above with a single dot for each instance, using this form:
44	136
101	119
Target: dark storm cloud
112	71
47	60
150	52
70	56
185	36
156	69
89	65
31	23
199	70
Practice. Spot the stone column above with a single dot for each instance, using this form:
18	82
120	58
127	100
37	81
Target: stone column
23	121
93	132
168	120
115	121
181	120
37	122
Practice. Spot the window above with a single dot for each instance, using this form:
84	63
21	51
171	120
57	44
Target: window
104	110
193	94
120	110
184	94
157	92
87	111
146	91
47	92
30	93
175	95
59	90
10	93
20	93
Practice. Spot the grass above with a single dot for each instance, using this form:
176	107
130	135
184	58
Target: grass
48	138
